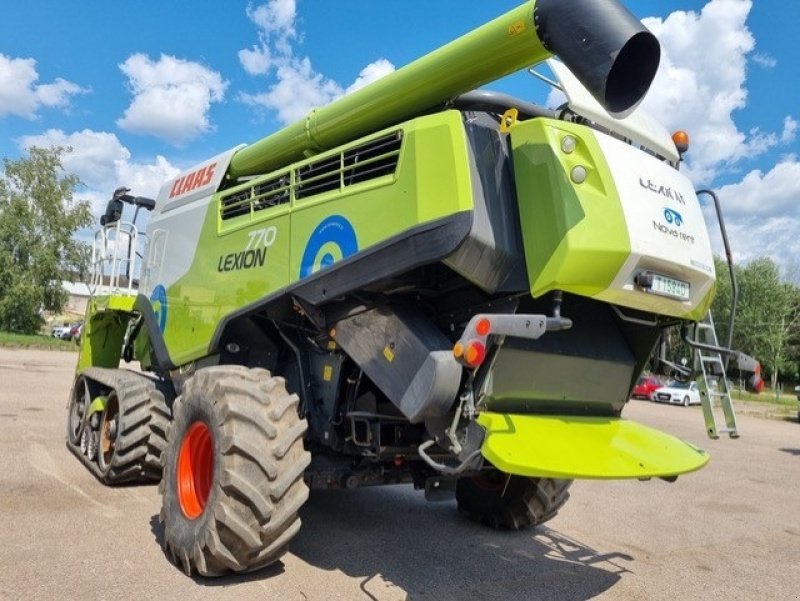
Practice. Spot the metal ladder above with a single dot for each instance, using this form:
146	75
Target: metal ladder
710	364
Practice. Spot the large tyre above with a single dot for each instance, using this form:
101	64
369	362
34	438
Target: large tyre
511	502
233	472
132	433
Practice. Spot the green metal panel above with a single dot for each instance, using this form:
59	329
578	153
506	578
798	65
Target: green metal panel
104	327
502	46
575	236
97	406
584	447
432	181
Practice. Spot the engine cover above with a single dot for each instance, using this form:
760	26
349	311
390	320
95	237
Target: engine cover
597	215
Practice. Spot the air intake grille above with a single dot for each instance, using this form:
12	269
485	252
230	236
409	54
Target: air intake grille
362	163
263	195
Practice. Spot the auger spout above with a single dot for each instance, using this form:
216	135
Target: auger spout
600	41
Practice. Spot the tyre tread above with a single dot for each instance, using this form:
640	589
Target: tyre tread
253	507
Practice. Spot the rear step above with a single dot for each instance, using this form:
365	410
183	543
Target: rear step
711	367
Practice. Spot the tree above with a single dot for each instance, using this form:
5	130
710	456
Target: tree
38	219
767	313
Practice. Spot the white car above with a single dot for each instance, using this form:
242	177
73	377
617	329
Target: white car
677	393
62	332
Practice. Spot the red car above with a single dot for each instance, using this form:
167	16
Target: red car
645	387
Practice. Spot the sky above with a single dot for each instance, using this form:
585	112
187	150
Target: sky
141	91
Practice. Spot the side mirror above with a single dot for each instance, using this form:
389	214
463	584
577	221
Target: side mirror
113	212
145	203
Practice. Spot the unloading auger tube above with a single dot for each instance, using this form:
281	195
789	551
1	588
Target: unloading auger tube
600	41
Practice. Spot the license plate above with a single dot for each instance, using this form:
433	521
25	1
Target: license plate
670	287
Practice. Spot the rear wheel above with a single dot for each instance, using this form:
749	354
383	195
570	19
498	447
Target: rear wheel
504	501
233	472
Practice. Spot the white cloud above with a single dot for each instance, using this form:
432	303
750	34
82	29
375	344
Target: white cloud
789	130
93	155
102	163
370	73
765	60
171	97
296	87
701	84
21	96
256	60
776	192
762	214
277	16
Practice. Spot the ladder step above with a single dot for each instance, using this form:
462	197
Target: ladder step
707	359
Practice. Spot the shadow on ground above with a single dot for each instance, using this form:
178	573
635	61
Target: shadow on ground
399	546
390	537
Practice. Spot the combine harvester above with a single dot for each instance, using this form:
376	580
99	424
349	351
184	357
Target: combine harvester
417	283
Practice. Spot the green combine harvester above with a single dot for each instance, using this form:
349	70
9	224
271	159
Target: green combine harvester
421	282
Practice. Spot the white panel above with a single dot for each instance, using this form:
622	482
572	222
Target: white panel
668	234
639	125
175	238
199	181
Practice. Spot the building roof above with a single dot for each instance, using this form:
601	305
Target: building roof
76	288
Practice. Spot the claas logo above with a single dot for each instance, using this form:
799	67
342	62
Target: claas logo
196	179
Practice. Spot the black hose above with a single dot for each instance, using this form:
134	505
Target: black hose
498	102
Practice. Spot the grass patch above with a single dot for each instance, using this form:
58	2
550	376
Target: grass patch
36	341
766	396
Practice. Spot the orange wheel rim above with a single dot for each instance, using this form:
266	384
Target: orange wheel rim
195	470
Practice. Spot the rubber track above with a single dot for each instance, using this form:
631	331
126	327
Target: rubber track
260	488
144	421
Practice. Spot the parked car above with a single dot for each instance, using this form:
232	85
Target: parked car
62	331
677	393
75	332
645	386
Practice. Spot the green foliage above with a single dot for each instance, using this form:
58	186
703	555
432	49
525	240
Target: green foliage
36	341
768	310
38	218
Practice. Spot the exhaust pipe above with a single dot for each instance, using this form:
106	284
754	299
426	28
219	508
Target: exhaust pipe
612	54
609	51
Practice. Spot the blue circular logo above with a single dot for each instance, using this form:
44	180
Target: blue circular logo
158	299
332	240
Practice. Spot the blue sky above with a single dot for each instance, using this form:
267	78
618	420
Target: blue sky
143	90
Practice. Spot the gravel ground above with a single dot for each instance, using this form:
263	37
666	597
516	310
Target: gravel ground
730	531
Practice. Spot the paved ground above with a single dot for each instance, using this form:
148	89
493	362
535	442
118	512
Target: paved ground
730	531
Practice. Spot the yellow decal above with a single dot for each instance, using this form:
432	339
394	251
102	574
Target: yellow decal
388	353
331	345
327	373
516	28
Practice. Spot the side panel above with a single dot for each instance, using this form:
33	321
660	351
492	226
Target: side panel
575	238
227	271
104	328
432	181
244	258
